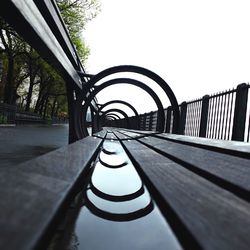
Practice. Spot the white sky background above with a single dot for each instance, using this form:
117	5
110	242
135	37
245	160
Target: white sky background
198	47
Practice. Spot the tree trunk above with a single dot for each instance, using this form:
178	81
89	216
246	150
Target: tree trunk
38	102
57	109
32	73
8	89
45	108
53	107
29	96
41	106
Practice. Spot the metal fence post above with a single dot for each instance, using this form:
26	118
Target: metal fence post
183	118
240	112
204	116
168	119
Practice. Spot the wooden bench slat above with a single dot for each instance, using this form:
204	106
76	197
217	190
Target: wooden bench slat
101	134
231	171
34	192
216	218
229	146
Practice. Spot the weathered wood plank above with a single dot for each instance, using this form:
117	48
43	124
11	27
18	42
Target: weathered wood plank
33	193
101	134
231	171
216	218
231	147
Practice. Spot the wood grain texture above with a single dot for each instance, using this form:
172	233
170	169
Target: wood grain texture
32	193
231	169
229	146
216	218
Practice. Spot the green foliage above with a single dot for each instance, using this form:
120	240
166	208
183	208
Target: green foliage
76	13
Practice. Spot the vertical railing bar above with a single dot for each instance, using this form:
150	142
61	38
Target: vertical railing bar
189	119
201	114
199	122
186	127
194	121
221	119
230	117
192	128
199	118
214	116
195	117
217	117
224	116
209	118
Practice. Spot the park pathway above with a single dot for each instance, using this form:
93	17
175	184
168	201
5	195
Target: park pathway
24	142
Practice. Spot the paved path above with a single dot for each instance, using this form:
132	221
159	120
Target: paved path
24	142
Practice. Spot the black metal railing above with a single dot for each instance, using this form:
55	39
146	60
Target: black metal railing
11	114
225	115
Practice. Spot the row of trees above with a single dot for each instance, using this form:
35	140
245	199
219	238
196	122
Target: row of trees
25	78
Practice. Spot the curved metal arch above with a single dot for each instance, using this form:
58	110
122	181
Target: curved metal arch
110	121
115	118
150	74
115	115
120	102
114	110
110	118
160	117
118	216
126	104
118	111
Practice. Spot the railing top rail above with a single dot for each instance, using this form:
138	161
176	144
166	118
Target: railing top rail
223	93
194	101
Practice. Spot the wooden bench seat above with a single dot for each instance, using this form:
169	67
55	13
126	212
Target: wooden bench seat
201	187
204	194
34	193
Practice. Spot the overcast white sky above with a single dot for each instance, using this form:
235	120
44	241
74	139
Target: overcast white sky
198	47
